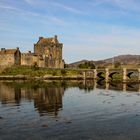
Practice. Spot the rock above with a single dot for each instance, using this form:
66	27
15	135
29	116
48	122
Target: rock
68	121
45	125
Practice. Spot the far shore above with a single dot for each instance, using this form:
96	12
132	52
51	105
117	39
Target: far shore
27	77
103	75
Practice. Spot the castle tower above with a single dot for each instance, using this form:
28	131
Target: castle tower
51	50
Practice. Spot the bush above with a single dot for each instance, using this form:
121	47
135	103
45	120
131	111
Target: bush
54	73
63	72
35	66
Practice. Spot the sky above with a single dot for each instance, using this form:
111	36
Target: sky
89	29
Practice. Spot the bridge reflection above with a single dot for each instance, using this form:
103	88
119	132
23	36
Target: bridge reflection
100	84
47	97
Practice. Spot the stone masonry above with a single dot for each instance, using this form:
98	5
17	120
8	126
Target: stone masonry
47	53
51	51
9	57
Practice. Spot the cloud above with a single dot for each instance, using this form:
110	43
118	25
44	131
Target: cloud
56	5
100	32
68	8
124	5
29	1
31	14
7	7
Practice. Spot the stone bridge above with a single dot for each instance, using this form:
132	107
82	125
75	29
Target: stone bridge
110	74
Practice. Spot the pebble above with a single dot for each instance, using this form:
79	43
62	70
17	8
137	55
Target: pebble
45	125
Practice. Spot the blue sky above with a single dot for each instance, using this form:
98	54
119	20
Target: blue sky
89	29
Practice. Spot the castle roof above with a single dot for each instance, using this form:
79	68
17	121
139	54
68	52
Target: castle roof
8	51
52	40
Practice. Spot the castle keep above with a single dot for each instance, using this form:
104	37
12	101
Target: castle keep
47	53
51	50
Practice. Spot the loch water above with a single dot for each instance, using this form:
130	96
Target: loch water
69	110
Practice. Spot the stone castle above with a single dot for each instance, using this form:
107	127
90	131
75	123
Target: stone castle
47	53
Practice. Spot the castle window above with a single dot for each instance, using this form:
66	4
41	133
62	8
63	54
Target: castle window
51	56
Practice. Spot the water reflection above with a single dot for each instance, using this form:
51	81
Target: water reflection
48	100
91	85
47	97
33	110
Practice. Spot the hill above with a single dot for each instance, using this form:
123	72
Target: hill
129	60
75	64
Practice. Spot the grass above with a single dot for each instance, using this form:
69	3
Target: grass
31	71
40	72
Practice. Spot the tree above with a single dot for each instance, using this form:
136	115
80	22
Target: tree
87	65
117	65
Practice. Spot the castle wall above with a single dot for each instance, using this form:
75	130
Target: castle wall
7	59
17	57
38	49
47	53
41	63
28	59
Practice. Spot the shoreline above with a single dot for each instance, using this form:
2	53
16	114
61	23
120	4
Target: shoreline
67	78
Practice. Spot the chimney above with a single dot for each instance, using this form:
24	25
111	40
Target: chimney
55	37
40	37
2	49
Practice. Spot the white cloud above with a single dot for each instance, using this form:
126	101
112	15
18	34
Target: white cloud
125	5
29	1
31	14
56	5
68	8
7	7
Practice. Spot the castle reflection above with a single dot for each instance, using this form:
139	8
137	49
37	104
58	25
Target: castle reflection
47	97
48	100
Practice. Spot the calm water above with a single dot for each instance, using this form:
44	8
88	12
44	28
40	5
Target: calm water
69	111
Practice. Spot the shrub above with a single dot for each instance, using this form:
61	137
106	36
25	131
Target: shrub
63	72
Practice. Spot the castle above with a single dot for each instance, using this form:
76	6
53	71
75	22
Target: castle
47	53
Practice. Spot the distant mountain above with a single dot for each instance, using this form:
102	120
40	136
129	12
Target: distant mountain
75	64
122	59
